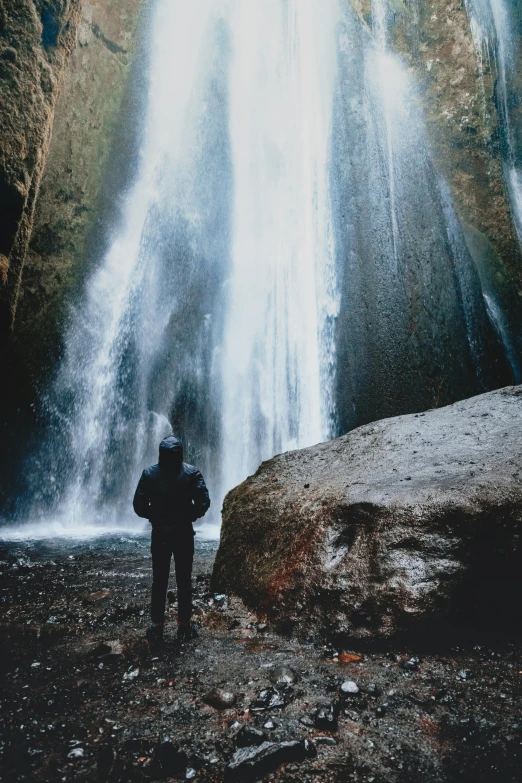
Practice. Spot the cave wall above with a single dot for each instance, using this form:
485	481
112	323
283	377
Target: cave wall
36	40
422	339
71	149
96	126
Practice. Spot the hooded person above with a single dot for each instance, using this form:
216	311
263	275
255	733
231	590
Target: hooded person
171	495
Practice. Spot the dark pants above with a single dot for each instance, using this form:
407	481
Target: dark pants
177	541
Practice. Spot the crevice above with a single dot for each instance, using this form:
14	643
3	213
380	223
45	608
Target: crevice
111	46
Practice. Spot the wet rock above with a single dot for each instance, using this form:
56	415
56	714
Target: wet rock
349	688
322	739
220	699
249	764
365	552
270	725
268	699
283	676
410	665
76	753
326	718
248	736
262	627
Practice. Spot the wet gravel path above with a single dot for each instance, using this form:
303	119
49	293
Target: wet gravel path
84	697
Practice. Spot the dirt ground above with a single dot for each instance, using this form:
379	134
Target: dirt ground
85	698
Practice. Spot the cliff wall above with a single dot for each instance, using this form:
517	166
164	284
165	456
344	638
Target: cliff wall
36	40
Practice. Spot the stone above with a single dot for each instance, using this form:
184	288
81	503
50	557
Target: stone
248	736
322	739
220	699
326	717
349	688
365	553
268	699
283	676
249	764
410	665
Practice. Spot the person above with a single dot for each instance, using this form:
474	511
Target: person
171	495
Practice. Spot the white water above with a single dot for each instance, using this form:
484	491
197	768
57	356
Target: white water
278	347
274	358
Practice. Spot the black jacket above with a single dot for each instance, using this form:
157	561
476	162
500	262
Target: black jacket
171	492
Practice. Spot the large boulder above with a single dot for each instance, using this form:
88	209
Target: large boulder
390	528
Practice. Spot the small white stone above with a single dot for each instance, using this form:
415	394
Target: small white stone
349	686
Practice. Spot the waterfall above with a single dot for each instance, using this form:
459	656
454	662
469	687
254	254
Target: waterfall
288	263
278	350
213	309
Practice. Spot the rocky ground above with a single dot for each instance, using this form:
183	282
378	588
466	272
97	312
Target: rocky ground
84	698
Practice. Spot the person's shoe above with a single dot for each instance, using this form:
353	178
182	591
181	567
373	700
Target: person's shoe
186	632
154	633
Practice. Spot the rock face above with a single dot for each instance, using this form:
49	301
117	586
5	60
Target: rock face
388	529
94	129
75	173
36	41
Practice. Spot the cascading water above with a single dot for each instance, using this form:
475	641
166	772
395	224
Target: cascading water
213	309
278	347
495	38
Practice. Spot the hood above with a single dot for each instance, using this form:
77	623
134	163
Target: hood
171	452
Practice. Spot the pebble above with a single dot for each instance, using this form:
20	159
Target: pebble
190	774
131	675
283	676
270	725
248	736
324	740
220	699
326	718
75	753
267	699
349	687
